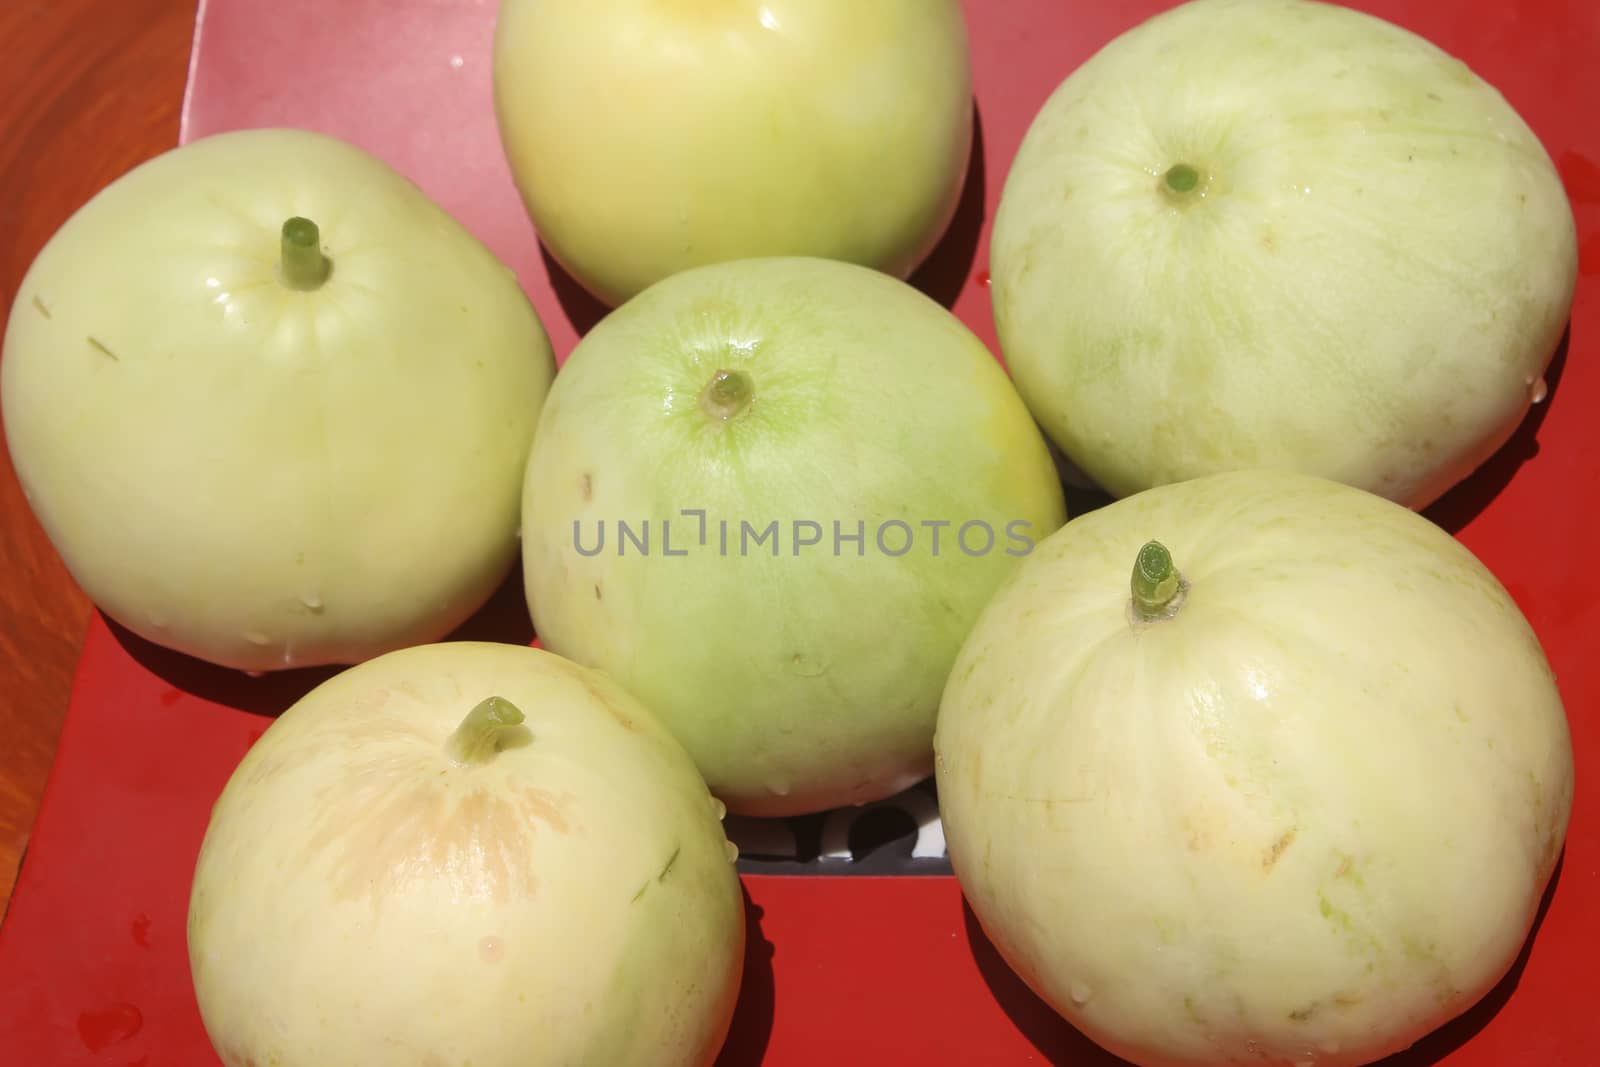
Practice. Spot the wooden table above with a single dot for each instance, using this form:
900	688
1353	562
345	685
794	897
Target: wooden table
95	88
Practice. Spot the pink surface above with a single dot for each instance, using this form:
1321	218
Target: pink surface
842	970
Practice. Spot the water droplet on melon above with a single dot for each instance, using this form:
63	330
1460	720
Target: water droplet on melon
1081	993
731	850
719	810
1539	392
255	637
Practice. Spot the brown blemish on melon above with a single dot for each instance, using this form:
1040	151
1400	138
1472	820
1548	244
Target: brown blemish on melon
541	804
1277	849
586	486
448	828
1342	1001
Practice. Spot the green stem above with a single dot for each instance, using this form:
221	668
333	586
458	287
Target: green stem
1182	178
478	737
304	266
1156	582
728	394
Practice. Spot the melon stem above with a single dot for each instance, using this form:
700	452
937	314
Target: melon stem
1182	178
728	394
303	266
478	737
1156	582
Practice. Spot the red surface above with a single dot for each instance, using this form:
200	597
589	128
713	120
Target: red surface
851	971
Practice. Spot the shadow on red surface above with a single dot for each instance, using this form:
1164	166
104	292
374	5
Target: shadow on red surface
945	272
748	1037
1461	504
580	308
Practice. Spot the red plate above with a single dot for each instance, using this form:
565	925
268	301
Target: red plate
858	970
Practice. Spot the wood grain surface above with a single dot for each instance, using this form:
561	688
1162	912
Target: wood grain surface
91	88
